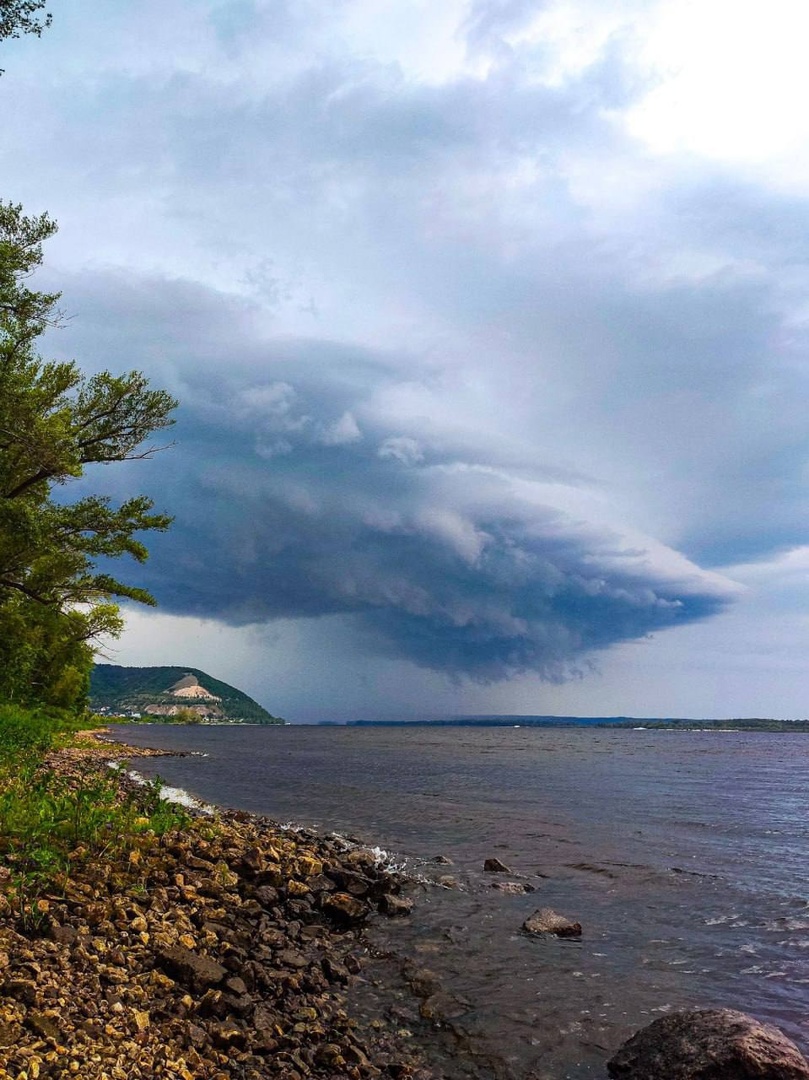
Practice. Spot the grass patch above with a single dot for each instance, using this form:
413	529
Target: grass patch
54	822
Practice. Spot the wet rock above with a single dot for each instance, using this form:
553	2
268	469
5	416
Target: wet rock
709	1044
513	888
447	881
190	968
495	866
440	1007
361	859
442	860
345	908
353	963
351	881
547	921
395	905
423	982
335	971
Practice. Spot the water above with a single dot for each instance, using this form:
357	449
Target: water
683	854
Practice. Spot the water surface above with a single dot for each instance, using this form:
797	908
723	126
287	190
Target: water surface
683	854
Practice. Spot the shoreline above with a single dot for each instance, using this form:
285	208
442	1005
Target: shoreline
227	948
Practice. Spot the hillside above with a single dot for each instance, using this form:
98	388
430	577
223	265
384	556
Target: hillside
161	693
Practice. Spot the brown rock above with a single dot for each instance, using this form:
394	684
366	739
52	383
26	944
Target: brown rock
190	968
513	888
709	1044
362	858
351	881
344	908
547	921
9	1034
394	905
292	959
63	935
495	866
424	982
267	895
43	1025
335	971
236	985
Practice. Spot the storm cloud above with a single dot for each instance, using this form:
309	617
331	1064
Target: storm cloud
469	357
312	478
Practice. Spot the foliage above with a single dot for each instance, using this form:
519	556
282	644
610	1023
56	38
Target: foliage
52	823
54	423
25	737
18	17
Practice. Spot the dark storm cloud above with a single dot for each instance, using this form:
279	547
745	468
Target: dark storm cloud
297	495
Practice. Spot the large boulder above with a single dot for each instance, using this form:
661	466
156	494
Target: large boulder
708	1044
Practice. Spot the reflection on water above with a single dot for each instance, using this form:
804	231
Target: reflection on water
682	854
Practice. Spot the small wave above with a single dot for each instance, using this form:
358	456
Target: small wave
175	795
383	860
787	923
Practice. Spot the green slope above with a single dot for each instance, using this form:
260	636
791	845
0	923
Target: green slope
131	689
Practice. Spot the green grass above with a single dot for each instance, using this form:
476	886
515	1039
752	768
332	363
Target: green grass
52	824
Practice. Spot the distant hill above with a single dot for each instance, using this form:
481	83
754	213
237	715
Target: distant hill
171	693
518	720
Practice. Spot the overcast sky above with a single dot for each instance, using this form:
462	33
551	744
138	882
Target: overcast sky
488	320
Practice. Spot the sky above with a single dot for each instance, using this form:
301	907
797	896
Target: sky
488	323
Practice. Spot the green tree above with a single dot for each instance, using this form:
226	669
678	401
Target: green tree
19	17
54	423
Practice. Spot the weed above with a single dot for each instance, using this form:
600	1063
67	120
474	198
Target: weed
52	823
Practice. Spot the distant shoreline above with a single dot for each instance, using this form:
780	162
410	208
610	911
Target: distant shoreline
626	723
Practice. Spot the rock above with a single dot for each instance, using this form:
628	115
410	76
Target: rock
513	888
266	895
362	859
423	982
442	860
709	1044
44	1026
440	1007
63	935
9	1034
344	908
334	971
190	968
547	921
495	866
447	881
395	905
236	985
351	882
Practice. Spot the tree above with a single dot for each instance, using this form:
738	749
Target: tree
19	17
54	423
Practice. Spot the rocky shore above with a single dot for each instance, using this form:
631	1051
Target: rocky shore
222	950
